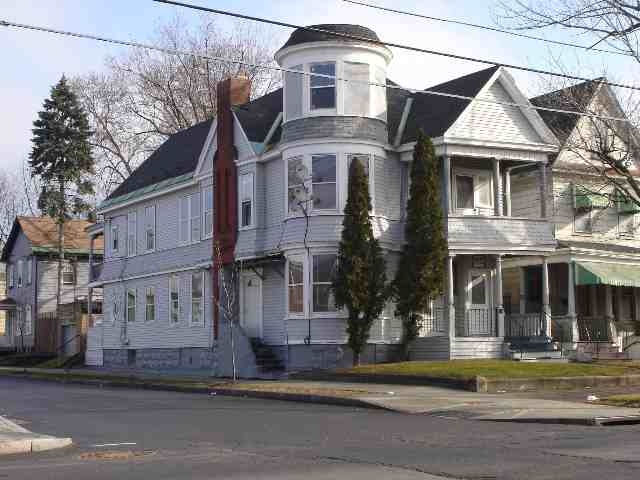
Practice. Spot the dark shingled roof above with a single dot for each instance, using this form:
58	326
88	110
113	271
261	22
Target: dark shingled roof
575	97
176	156
435	114
256	117
302	35
599	246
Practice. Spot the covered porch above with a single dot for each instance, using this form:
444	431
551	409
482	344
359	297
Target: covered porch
8	310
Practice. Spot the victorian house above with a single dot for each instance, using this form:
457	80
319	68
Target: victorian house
263	186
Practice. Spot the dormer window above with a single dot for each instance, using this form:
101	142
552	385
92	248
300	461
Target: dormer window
322	93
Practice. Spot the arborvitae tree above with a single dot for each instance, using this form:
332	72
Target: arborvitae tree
420	276
359	283
61	158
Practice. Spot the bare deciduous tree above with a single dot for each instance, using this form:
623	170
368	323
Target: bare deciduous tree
146	95
18	196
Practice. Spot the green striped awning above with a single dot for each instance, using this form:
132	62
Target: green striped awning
583	198
596	273
629	206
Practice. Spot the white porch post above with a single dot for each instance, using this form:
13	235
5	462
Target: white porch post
507	192
546	309
446	171
497	188
543	190
90	291
571	303
499	301
523	291
451	309
636	294
608	305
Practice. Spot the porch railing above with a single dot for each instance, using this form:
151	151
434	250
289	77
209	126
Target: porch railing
593	329
524	325
479	323
433	323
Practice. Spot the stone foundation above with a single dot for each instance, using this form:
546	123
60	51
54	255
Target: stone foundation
159	358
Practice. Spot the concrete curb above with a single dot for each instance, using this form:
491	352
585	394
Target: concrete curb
26	441
468	384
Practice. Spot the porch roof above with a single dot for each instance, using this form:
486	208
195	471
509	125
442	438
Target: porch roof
7	304
598	273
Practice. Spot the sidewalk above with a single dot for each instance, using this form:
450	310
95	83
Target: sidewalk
15	439
425	400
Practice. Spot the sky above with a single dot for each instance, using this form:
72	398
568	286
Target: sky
34	61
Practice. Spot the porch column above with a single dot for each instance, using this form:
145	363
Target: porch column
636	295
608	306
543	190
451	312
507	192
497	188
446	171
571	303
546	309
523	291
499	301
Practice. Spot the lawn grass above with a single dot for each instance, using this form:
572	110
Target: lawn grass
627	400
466	369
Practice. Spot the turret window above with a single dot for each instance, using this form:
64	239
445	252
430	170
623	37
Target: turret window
356	92
322	89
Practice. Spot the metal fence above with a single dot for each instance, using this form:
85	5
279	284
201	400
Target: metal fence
433	323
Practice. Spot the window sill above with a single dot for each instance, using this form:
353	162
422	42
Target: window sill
248	227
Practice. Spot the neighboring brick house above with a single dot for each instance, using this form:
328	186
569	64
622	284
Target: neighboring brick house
30	256
291	148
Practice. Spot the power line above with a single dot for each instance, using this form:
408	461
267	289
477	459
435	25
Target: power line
486	27
389	44
171	51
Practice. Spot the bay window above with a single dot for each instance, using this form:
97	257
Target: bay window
296	286
322	91
293	84
357	88
323	182
323	269
246	199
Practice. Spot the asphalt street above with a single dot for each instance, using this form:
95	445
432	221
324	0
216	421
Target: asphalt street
137	434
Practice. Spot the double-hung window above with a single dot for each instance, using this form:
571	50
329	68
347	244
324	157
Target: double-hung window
357	89
29	270
150	305
323	182
197	295
296	286
20	272
322	83
132	237
246	199
131	305
11	274
473	191
207	211
115	311
190	221
583	220
150	228
174	299
115	240
28	320
68	274
323	269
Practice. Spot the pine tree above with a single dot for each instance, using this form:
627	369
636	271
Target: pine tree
420	276
61	158
359	283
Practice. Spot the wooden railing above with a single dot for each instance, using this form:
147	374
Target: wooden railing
523	325
479	322
433	323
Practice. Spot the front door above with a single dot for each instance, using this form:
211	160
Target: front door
479	318
251	304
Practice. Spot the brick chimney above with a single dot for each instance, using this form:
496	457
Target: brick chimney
230	92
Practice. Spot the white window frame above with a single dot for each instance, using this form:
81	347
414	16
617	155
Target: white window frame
370	167
135	304
29	270
580	212
241	200
346	85
11	275
132	235
173	278
150	226
68	267
475	175
150	291
330	313
20	272
307	84
305	276
190	221
207	190
191	320
115	239
28	321
115	309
